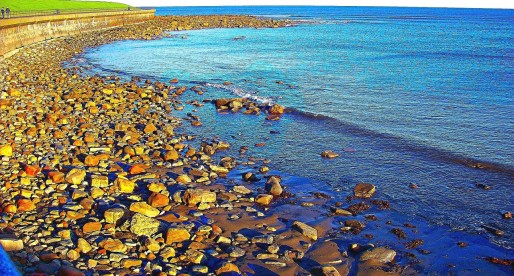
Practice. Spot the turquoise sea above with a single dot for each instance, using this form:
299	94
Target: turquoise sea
405	95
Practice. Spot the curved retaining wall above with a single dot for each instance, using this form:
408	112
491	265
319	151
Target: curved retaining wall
19	32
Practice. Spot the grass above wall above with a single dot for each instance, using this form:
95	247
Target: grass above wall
39	5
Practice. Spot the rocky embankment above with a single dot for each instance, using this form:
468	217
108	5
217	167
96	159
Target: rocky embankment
95	179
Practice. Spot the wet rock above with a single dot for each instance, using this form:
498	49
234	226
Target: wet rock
507	215
354	226
273	186
264	199
340	212
379	254
414	244
483	186
276	109
494	230
499	261
381	204
250	177
358	208
462	244
329	154
399	233
219	170
364	190
306	230
264	169
242	190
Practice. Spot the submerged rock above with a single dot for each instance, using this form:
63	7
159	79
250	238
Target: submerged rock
364	190
329	154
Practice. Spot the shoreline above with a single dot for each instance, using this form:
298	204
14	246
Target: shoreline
97	164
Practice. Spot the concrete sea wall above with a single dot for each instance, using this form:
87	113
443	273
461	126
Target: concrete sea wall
19	32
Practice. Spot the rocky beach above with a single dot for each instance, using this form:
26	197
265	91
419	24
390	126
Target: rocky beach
96	179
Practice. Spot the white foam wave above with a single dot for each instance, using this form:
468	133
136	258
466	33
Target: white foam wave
240	92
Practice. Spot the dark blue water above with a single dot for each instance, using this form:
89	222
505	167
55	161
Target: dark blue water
419	93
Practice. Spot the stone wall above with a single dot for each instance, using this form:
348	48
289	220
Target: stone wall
19	32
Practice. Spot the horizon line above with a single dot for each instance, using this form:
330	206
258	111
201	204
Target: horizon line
338	6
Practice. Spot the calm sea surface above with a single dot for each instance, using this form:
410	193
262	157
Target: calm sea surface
415	93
